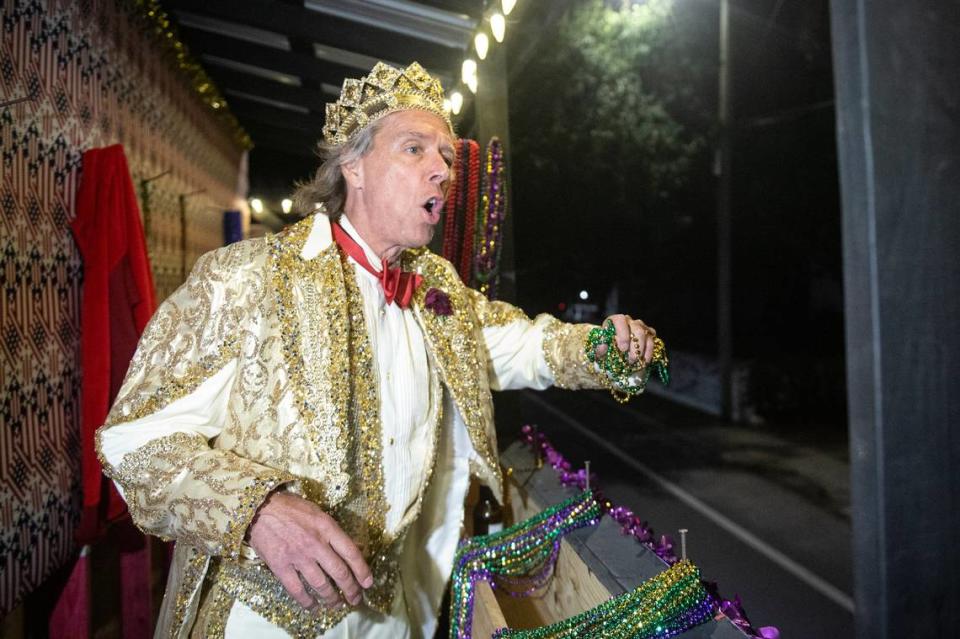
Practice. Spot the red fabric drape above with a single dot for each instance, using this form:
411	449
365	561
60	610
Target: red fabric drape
118	300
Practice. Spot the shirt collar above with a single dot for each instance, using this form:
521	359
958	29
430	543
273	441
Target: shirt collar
372	257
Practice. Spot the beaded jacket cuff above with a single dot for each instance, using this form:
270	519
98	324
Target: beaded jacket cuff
177	487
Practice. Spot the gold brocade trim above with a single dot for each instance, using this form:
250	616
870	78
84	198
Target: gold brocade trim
256	587
496	313
563	350
135	466
169	392
365	411
216	520
186	330
311	307
330	363
194	568
177	387
211	621
364	511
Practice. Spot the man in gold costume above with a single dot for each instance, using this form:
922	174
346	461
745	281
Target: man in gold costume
303	415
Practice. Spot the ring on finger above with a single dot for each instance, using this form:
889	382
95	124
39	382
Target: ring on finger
319	598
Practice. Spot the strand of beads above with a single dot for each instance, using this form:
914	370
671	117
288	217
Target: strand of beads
518	560
449	246
625	377
470	213
493	211
630	523
663	606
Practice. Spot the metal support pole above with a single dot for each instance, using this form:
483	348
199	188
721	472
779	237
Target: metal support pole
724	248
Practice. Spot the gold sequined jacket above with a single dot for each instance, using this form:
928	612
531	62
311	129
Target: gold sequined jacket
285	326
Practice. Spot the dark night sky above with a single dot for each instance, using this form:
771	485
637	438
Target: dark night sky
787	290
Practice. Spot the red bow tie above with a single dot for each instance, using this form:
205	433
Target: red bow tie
398	286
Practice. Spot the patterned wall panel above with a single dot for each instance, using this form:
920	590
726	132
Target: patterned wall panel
94	77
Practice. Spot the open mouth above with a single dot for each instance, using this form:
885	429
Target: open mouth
432	207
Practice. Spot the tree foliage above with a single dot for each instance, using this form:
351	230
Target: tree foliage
614	102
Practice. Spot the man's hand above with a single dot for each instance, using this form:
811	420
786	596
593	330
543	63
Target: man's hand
305	548
631	334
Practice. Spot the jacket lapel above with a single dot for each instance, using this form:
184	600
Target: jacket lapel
314	325
452	341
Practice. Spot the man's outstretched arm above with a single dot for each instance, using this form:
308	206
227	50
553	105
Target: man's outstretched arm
540	352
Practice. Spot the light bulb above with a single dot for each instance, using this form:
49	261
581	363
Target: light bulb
482	43
257	205
508	6
498	25
456	102
468	70
286	204
472	84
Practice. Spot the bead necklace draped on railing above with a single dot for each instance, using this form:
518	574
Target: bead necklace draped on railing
665	605
518	560
632	525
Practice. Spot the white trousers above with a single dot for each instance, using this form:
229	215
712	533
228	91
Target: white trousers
244	623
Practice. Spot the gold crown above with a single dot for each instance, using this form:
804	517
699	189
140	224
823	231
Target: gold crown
386	90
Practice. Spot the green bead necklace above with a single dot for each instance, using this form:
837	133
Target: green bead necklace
664	606
518	560
617	372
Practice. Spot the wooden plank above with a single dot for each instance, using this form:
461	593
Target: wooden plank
487	617
573	589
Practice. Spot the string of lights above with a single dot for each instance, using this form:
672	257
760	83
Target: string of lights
493	24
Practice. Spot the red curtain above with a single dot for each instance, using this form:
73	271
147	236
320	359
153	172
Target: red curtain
118	301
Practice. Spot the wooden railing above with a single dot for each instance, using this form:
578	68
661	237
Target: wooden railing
594	563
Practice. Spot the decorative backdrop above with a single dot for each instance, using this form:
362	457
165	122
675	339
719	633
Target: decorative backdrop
94	76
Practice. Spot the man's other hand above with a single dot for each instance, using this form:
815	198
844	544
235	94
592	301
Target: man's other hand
632	336
308	552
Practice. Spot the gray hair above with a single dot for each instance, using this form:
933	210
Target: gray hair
328	188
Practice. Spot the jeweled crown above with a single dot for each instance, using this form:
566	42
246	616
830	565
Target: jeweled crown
386	90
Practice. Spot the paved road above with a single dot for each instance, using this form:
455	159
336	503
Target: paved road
768	517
